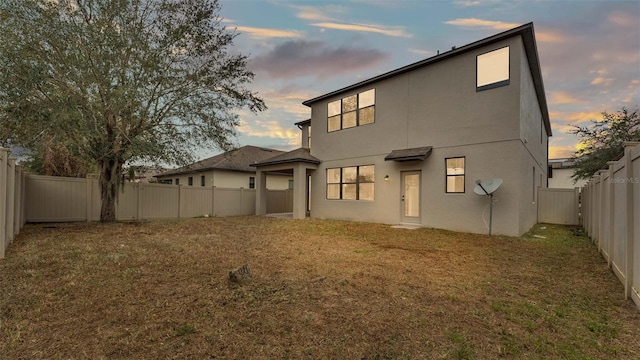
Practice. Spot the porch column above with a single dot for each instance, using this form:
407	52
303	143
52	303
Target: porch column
299	191
261	192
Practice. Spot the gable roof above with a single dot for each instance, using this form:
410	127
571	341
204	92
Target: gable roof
528	37
297	155
235	160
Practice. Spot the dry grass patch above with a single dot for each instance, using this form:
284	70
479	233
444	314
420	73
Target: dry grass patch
320	289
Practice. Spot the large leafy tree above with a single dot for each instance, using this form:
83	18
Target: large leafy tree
116	81
602	140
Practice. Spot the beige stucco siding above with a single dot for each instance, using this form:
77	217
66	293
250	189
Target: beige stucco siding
461	212
231	179
561	179
435	106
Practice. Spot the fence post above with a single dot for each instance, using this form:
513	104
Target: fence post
628	206
11	199
138	200
213	201
601	214
180	201
89	195
242	201
17	201
612	206
4	158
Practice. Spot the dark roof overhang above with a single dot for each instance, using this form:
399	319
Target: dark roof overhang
419	154
299	124
299	155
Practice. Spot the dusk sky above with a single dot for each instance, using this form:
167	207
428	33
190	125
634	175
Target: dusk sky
589	52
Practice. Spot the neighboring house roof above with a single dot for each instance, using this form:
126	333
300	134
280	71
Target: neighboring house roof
528	37
235	160
297	155
562	163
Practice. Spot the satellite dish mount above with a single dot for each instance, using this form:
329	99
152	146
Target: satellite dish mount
488	187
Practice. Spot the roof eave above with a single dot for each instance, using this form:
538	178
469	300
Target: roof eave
286	161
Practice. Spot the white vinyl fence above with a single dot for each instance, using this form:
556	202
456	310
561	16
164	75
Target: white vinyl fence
12	214
558	206
611	217
60	199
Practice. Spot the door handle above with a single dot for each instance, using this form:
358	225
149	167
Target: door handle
402	197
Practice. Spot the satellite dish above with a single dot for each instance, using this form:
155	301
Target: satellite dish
487	187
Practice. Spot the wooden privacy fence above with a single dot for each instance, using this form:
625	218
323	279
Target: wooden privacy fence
60	199
12	214
611	217
558	206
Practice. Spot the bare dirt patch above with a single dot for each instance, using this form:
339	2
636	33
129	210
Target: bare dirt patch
319	289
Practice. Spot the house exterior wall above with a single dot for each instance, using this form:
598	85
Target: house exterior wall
229	179
532	150
438	105
561	179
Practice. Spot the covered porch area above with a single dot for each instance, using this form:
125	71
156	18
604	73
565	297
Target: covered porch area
299	163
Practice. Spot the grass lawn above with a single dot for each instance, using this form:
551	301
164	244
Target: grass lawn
320	290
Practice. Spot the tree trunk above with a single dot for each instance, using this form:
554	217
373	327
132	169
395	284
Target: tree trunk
109	182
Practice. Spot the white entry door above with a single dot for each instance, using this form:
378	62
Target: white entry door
411	197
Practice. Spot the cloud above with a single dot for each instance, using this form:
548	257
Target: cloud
550	37
487	24
575	117
561	97
314	13
297	58
561	151
421	52
602	81
542	36
466	3
270	129
265	33
622	19
395	31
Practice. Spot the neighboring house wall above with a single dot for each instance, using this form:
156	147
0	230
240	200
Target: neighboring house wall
229	179
561	179
438	105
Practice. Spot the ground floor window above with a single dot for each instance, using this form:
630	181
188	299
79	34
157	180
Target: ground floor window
252	182
351	183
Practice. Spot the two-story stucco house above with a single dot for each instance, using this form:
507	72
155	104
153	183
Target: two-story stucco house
407	146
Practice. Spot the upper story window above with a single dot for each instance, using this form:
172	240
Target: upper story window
351	183
309	136
351	111
492	69
455	174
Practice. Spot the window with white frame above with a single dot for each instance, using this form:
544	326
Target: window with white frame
492	69
252	182
351	183
351	111
455	174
